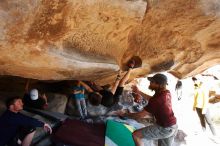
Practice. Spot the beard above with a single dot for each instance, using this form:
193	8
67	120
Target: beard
151	88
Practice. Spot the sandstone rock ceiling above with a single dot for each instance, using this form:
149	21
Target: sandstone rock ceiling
92	39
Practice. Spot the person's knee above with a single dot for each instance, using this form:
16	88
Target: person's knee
28	139
137	134
134	136
31	135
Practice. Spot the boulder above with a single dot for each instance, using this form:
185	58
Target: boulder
91	40
56	102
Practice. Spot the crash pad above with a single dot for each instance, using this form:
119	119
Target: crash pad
118	134
78	133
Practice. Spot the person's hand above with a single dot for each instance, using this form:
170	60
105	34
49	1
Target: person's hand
44	96
121	113
80	82
135	89
194	108
137	98
47	128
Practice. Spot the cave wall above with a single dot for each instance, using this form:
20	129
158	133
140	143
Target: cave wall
92	39
182	37
60	39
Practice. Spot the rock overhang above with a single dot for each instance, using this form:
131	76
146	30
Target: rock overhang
92	40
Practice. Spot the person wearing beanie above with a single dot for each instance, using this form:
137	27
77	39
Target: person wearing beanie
159	105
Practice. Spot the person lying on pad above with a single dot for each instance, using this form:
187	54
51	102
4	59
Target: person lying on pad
108	98
18	129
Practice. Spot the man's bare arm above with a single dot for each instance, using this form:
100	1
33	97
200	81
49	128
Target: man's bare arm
146	97
77	92
89	89
139	115
136	90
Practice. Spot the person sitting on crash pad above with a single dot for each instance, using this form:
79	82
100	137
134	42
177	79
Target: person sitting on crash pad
32	98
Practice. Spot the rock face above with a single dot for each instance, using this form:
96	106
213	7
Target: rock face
179	36
92	39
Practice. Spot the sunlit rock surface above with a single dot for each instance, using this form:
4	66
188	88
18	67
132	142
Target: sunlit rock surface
92	39
180	36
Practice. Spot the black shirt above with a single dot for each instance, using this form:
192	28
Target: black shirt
107	98
28	102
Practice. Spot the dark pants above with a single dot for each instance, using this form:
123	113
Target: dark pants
205	118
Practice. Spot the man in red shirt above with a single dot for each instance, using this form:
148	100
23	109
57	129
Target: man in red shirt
159	105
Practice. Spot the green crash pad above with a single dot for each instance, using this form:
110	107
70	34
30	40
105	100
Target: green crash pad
118	134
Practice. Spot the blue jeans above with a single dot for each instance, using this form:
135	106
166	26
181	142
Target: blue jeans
81	107
165	136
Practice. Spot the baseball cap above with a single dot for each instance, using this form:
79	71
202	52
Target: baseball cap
159	79
34	94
